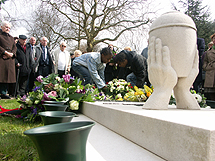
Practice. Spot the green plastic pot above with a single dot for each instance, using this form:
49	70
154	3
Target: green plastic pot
55	107
57	102
54	117
61	142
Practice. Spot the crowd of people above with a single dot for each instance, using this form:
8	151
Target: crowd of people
22	62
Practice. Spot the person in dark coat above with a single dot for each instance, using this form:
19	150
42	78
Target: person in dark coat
43	62
23	63
30	50
7	59
135	67
201	49
209	67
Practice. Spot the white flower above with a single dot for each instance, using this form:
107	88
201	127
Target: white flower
28	101
110	82
57	86
119	95
57	78
198	98
36	102
74	105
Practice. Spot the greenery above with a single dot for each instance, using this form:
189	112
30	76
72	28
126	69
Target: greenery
10	104
53	88
15	146
201	16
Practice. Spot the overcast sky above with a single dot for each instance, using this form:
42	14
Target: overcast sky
165	5
160	6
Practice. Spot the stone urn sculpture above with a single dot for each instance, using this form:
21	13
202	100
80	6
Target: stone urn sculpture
61	142
172	61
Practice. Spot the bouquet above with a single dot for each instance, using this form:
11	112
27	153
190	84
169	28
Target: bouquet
53	88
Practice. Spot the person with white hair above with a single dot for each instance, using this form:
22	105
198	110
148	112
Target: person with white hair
7	59
43	62
62	60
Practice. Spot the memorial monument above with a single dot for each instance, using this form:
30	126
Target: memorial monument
173	61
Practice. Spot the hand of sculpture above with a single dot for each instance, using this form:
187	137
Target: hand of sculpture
161	75
184	99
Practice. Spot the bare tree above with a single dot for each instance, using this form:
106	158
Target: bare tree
94	21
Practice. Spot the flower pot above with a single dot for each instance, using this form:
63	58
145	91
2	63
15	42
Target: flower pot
57	102
210	103
64	141
55	107
54	117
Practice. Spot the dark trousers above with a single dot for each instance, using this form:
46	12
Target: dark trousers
11	89
84	73
44	71
61	73
3	88
32	78
22	84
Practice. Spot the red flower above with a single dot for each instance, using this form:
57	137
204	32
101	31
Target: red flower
131	86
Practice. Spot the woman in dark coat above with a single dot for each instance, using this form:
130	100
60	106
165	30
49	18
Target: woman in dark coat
7	59
209	67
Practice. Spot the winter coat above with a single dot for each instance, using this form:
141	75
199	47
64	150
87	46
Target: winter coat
56	58
31	53
23	59
138	65
38	54
7	66
209	67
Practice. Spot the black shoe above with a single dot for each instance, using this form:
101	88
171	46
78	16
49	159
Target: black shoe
4	96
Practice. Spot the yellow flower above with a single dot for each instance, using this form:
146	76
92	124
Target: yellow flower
147	89
120	99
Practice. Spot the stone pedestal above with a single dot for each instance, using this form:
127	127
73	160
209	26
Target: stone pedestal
172	134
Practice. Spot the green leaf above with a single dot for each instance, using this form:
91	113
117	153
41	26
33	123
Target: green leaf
75	96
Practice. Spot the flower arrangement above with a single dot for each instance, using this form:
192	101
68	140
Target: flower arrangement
117	88
120	90
201	99
139	94
54	88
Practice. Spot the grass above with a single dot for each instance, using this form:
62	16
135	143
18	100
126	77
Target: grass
9	104
15	146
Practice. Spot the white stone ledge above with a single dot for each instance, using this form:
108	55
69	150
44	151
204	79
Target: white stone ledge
106	145
172	134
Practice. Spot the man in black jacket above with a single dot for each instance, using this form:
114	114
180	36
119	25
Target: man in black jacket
23	65
136	67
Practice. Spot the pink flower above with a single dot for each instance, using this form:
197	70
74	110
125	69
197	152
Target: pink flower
39	78
52	93
46	97
66	78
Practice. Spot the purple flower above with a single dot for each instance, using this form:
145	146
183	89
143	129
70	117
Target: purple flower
39	78
100	94
66	78
34	111
23	98
36	88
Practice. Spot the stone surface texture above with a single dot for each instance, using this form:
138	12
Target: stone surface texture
172	134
